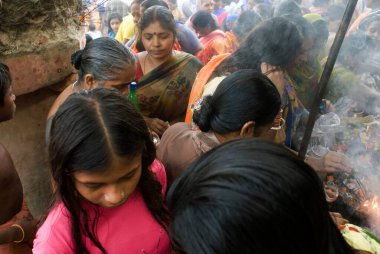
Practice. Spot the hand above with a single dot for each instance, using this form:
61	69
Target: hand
338	219
335	162
156	125
29	225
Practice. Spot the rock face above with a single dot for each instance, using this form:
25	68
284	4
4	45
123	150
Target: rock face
37	38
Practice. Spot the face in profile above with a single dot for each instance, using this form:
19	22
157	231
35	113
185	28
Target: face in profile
112	186
157	40
7	111
373	31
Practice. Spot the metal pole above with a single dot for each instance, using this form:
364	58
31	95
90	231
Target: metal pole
334	51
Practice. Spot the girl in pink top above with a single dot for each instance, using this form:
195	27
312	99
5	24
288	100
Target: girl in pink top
109	188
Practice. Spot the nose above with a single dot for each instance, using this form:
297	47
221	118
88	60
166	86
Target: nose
114	195
156	41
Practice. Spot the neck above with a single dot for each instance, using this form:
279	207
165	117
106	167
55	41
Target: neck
156	62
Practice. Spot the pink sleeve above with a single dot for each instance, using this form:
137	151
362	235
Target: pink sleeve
159	171
54	236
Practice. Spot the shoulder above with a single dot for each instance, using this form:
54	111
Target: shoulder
60	99
54	236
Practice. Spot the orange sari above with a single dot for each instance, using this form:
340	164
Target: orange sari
214	44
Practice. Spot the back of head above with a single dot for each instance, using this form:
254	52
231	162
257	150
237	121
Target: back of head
243	96
264	10
149	3
91	27
245	23
93	126
335	12
158	14
287	7
251	196
203	19
104	58
304	26
275	41
5	82
355	46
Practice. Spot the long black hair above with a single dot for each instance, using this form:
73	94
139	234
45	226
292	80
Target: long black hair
87	131
275	41
251	196
243	96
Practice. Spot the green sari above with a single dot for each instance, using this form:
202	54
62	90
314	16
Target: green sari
164	92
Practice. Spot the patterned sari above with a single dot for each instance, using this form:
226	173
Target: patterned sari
164	92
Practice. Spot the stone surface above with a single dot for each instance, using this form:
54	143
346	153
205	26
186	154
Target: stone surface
37	39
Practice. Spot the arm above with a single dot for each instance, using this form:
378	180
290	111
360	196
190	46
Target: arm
11	234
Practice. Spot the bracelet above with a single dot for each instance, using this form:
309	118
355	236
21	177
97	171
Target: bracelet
23	233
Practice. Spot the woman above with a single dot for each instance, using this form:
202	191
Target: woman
251	196
213	40
269	48
109	187
243	105
94	64
165	76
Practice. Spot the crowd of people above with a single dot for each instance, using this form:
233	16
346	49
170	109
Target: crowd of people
207	162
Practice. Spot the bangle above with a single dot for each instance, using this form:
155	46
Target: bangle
23	233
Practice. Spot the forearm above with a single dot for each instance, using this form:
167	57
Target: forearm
10	235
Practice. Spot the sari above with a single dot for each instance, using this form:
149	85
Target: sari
305	80
215	43
164	91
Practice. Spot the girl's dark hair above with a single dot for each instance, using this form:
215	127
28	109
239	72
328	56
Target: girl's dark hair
251	196
104	58
149	3
5	81
203	19
245	23
275	41
355	46
158	13
287	7
305	27
114	15
88	130
243	96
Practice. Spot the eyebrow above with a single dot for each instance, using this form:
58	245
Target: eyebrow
128	174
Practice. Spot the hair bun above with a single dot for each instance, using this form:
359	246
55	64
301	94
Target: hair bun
76	59
202	116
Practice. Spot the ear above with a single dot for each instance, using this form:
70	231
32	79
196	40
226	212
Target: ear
248	130
89	82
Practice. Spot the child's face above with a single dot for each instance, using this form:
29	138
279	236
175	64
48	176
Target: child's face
115	24
112	186
7	111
